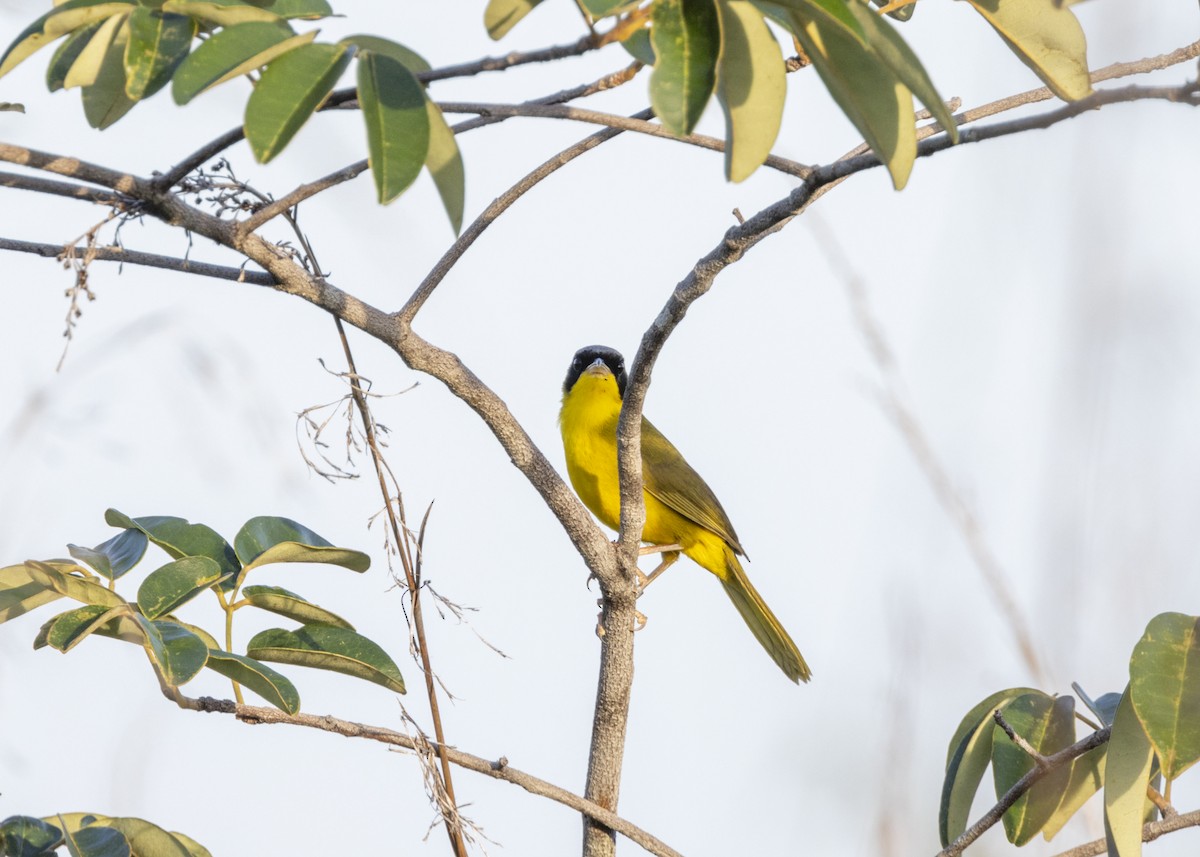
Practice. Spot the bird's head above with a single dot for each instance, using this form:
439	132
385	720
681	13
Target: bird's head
597	364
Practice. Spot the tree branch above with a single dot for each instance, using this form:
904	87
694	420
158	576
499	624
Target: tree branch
1043	766
66	189
1150	832
499	770
152	260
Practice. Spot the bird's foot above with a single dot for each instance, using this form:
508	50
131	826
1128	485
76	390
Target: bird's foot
639	619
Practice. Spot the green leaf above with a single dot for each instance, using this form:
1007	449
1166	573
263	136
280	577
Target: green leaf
900	58
750	87
66	55
1126	773
233	52
1087	776
176	583
71	585
268	539
308	9
326	648
410	59
879	105
500	16
20	593
220	14
1048	724
86	68
446	166
23	836
177	652
194	848
146	839
116	556
95	841
274	687
67	630
1046	37
1105	708
62	19
105	101
180	538
967	758
393	109
686	38
124	626
158	43
901	14
290	89
835	12
289	604
11	107
1164	687
639	47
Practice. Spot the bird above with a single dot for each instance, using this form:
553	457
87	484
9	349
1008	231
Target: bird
682	512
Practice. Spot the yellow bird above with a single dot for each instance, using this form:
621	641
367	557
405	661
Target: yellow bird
680	508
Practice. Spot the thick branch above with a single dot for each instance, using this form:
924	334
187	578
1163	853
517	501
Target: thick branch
499	770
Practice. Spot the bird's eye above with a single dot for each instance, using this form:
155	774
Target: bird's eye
576	363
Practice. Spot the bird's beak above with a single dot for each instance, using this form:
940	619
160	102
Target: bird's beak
598	368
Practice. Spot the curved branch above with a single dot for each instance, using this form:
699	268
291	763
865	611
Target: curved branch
499	770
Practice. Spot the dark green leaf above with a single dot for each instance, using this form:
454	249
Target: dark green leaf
290	89
269	539
326	648
72	585
275	688
393	109
1048	724
1126	772
158	42
410	59
446	166
307	9
686	39
285	603
175	651
23	836
967	758
233	52
1164	687
116	556
20	593
1047	38
62	19
66	55
176	583
95	842
146	839
500	16
750	87
180	538
11	107
220	13
638	45
1087	776
1105	708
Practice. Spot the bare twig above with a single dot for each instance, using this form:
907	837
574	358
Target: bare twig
66	189
1017	738
499	769
151	260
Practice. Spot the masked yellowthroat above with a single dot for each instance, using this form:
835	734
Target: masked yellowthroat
680	508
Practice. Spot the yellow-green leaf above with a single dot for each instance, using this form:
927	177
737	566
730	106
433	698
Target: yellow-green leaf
750	87
20	592
1087	776
1164	687
1046	37
220	14
326	648
267	539
86	68
1126	774
446	166
62	19
407	57
167	588
105	101
158	42
67	53
500	16
289	604
146	839
1048	725
72	585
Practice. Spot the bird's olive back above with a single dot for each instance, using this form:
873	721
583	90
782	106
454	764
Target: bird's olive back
585	357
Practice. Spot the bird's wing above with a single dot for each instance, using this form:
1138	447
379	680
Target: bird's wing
672	481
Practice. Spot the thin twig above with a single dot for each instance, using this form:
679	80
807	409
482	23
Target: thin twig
1017	738
66	189
499	769
151	260
1150	832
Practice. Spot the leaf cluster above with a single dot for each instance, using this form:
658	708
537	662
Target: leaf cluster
1153	736
201	561
88	834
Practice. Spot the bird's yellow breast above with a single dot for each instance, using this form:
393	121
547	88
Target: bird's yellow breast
588	420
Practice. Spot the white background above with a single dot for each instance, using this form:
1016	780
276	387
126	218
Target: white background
1038	292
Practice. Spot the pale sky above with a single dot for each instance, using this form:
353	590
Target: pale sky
1039	296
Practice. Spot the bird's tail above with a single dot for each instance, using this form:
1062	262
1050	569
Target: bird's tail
758	616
